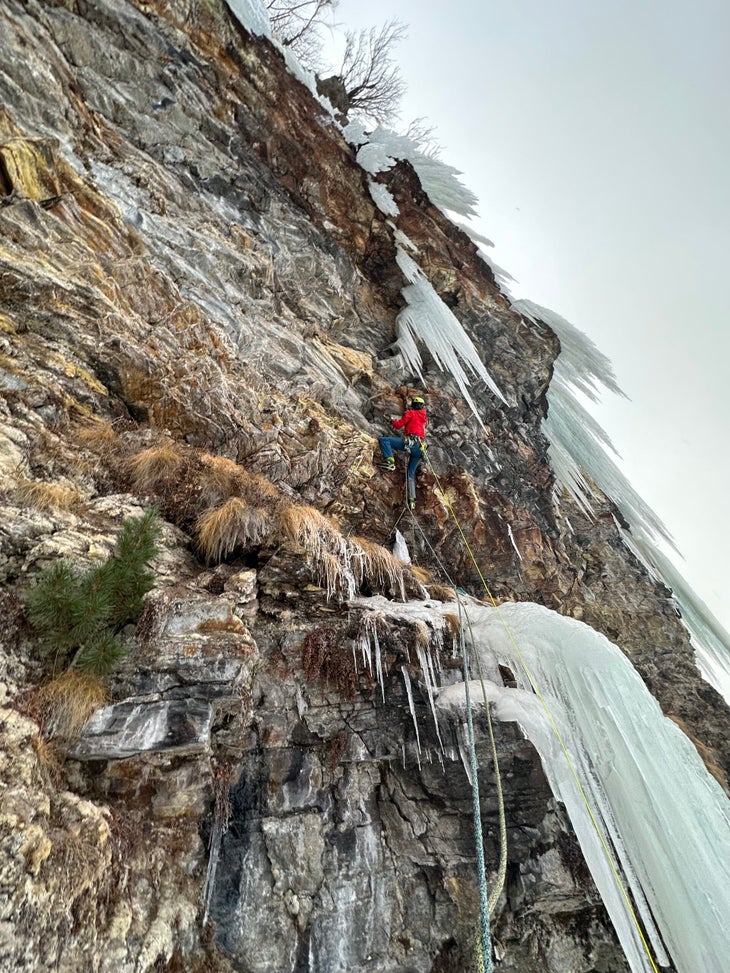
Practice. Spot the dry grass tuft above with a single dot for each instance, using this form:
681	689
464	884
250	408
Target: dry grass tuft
47	496
221	478
98	436
152	467
67	703
50	760
441	592
320	538
421	635
453	626
376	566
307	528
421	574
233	524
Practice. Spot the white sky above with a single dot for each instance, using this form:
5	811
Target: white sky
597	138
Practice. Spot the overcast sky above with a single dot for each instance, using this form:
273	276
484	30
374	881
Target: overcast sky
597	138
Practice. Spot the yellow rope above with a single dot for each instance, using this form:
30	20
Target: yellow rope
554	725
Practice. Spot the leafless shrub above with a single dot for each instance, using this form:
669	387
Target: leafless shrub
297	24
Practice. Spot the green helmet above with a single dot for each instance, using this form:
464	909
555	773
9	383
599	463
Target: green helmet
417	401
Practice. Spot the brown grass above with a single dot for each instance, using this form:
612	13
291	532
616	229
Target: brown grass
421	635
50	761
152	467
421	574
67	702
440	592
453	626
320	538
233	524
376	566
98	436
221	478
47	496
307	528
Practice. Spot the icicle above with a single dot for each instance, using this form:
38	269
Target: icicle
412	708
463	748
424	659
367	659
378	662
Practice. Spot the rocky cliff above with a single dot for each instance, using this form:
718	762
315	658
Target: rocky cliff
197	307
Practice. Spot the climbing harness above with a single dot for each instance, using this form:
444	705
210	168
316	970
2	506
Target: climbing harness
536	689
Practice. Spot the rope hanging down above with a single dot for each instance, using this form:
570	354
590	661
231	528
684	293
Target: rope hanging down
502	868
536	689
486	939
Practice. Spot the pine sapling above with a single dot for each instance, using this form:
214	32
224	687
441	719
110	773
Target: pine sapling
80	615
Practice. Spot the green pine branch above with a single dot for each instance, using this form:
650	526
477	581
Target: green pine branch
78	616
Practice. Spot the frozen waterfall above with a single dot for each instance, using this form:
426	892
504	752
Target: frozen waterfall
649	792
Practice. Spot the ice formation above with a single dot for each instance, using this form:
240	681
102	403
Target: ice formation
382	198
380	149
400	548
647	788
709	639
580	456
251	14
427	319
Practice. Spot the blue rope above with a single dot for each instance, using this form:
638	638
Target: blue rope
486	939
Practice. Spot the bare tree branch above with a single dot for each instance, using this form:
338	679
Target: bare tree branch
371	77
297	23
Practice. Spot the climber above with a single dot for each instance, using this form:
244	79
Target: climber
413	423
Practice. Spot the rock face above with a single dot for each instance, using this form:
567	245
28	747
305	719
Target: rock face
197	290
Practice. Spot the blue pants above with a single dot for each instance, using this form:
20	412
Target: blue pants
389	443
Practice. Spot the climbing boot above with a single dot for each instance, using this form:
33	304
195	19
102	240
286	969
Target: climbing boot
389	464
411	503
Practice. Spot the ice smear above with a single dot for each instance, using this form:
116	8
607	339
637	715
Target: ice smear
514	543
427	319
652	796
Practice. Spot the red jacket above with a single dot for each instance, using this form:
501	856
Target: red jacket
413	423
